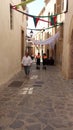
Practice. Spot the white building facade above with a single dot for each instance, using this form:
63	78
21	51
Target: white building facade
12	43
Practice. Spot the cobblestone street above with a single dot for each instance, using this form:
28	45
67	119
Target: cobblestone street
42	102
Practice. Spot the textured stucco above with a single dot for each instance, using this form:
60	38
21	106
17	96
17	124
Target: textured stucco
68	25
10	41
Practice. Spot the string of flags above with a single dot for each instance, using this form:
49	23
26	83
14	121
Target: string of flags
58	24
52	23
52	18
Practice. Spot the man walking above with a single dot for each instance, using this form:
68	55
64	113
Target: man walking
26	62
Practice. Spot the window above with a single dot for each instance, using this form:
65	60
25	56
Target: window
64	6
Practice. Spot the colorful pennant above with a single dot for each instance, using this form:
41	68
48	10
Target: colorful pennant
23	3
35	17
35	21
58	24
53	20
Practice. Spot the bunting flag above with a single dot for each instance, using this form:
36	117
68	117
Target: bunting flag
58	24
23	3
35	21
53	20
15	8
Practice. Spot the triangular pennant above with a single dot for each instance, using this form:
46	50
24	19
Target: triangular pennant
35	21
53	20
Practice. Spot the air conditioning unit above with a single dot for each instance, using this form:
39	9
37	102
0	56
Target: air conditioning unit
64	6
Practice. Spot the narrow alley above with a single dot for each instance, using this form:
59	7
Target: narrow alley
42	102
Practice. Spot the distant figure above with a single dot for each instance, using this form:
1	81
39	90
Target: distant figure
44	61
38	61
26	62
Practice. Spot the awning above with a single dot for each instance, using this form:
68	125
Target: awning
51	41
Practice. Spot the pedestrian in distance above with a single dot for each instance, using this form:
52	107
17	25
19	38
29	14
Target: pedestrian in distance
38	61
26	63
44	61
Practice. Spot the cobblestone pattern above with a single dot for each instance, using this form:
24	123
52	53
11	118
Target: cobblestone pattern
42	102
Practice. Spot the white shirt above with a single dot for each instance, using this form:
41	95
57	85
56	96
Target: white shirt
27	61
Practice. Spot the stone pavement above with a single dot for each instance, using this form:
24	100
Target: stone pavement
43	102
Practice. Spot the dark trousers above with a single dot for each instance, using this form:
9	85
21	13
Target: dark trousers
38	64
44	63
27	70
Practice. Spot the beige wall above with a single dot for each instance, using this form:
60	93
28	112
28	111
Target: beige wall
10	42
68	26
